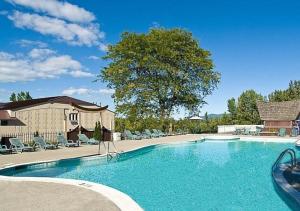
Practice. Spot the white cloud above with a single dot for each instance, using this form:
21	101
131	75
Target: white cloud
73	91
85	91
71	33
40	53
58	9
94	57
37	64
30	43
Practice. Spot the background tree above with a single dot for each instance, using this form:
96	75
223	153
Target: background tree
20	96
13	97
291	93
206	117
232	108
158	72
247	112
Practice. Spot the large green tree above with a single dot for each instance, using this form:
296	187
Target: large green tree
20	96
291	93
247	112
155	73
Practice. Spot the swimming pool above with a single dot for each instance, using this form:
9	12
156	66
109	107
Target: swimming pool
211	175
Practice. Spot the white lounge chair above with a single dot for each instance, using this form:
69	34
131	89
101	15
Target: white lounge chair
42	144
84	139
66	143
17	145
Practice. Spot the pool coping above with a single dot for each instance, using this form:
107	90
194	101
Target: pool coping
283	185
121	199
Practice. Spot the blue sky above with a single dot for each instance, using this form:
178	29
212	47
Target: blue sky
51	47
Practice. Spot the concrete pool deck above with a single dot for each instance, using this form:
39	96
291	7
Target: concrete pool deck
37	195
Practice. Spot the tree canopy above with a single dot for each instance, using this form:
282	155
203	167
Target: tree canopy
20	96
247	112
155	73
232	107
291	93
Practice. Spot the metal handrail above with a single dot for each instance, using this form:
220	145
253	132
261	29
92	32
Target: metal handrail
289	151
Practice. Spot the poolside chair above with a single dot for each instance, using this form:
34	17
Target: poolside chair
130	136
84	139
42	144
4	149
294	132
247	131
143	135
282	132
152	135
257	131
156	132
66	143
160	133
17	145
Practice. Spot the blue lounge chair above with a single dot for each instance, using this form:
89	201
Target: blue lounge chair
294	132
282	132
66	143
84	139
143	135
17	145
4	149
130	136
42	144
162	133
152	135
156	133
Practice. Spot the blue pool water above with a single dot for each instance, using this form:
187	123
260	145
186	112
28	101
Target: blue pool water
212	175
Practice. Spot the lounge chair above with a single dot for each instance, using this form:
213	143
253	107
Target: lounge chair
156	132
282	132
160	133
84	139
143	135
247	131
42	144
257	131
17	145
152	135
130	136
294	132
66	143
4	149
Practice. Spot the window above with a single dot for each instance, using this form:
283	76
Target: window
73	117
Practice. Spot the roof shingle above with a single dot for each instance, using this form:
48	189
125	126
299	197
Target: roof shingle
284	111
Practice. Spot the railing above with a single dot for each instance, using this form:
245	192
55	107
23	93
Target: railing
289	151
28	137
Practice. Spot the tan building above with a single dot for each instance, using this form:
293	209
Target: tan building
52	115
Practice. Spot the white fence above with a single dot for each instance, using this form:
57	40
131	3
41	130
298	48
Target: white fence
232	128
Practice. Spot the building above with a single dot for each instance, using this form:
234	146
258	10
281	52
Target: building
52	115
280	115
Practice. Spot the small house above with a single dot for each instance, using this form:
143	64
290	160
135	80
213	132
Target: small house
279	115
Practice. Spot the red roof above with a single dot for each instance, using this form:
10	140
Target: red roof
33	102
4	115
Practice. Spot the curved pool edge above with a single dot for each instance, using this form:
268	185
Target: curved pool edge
286	192
120	199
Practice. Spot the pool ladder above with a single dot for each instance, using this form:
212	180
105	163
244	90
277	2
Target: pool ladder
292	154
